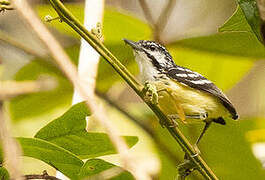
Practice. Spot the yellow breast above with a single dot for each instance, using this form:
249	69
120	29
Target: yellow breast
192	101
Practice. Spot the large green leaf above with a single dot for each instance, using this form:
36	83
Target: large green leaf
57	157
251	13
93	168
68	131
245	19
229	154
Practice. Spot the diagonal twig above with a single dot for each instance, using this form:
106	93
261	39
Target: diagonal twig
160	24
147	12
9	40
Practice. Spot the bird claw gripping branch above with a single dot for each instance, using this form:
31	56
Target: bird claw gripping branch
185	168
150	92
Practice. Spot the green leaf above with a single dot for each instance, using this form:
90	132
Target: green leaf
26	106
229	43
57	157
93	168
245	19
236	22
68	131
4	175
251	12
228	153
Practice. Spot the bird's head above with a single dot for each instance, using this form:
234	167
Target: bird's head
150	53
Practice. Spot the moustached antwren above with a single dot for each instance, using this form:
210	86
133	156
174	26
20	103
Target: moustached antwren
180	92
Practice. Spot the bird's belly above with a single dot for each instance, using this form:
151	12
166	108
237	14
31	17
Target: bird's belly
192	101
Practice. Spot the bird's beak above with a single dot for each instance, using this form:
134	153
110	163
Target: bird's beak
133	44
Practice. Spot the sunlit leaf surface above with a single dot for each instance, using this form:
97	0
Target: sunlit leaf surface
69	132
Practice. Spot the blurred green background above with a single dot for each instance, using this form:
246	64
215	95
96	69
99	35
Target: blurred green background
231	55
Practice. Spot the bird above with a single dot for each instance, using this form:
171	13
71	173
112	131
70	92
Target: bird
182	93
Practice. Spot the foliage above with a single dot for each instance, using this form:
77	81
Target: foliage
64	141
69	132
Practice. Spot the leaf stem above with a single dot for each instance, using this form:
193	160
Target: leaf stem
67	17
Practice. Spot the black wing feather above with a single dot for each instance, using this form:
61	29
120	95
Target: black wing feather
192	78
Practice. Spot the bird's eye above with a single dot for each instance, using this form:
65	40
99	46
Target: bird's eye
152	48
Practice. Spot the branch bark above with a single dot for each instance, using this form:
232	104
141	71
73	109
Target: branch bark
11	149
67	17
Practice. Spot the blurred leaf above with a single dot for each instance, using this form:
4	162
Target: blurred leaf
246	18
69	132
34	104
251	12
93	167
107	76
76	9
228	153
228	43
57	157
4	174
236	23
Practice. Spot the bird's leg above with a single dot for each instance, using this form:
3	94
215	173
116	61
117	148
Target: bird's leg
150	92
202	116
207	124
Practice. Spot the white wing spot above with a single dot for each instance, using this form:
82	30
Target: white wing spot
182	75
188	70
193	75
180	68
204	81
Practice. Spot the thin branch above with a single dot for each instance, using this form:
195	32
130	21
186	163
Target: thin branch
67	17
10	40
11	149
44	175
162	21
147	12
70	71
10	89
163	18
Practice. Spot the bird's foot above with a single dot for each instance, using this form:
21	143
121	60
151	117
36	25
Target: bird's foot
150	93
185	168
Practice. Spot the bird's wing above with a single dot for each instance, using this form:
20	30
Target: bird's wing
197	81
